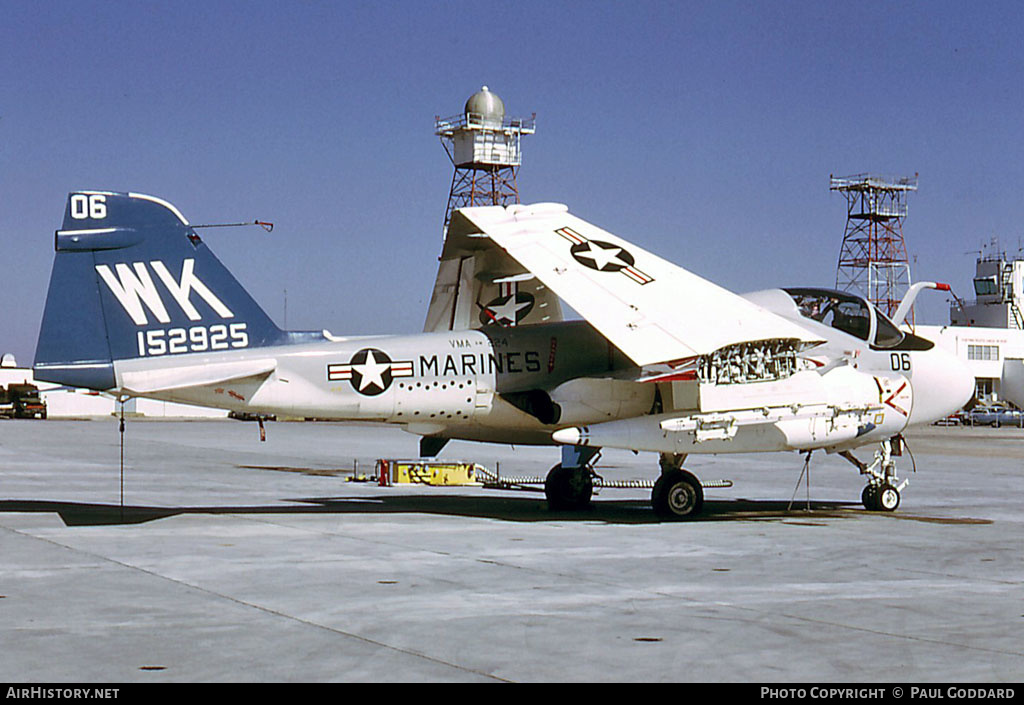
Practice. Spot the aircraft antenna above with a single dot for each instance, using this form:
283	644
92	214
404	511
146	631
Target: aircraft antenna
269	227
873	258
484	146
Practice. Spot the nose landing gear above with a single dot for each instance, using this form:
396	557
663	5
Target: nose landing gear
880	498
882	493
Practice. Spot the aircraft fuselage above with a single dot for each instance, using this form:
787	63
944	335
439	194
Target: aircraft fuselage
500	384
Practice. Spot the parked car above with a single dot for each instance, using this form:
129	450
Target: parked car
995	415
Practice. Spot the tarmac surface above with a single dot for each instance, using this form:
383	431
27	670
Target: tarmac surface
236	560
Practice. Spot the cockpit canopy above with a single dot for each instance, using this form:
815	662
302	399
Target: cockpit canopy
849	313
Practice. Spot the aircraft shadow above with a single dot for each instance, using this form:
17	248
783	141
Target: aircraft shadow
504	508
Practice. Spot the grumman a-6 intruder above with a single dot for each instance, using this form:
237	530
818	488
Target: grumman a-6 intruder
664	361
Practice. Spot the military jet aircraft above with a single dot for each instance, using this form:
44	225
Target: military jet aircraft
664	361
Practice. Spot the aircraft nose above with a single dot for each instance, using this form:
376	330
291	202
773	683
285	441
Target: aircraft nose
942	385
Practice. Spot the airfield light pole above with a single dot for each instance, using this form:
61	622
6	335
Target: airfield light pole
484	147
873	258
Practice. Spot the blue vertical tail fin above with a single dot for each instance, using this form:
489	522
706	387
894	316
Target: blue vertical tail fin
131	278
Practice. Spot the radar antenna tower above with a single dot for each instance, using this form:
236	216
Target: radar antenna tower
484	147
873	258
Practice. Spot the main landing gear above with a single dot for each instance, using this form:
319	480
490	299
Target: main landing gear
570	484
569	488
882	493
677	494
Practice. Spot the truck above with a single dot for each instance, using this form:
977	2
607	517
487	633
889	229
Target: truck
27	404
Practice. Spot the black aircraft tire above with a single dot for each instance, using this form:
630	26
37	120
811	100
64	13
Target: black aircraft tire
677	494
888	498
568	488
869	497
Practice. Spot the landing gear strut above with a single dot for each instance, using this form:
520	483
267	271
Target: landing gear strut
882	493
677	494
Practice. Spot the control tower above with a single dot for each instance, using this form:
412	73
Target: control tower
999	288
485	148
873	259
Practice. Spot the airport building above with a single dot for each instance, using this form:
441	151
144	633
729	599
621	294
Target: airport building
994	355
988	332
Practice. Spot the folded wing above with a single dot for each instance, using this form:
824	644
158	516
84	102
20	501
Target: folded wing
651	309
479	285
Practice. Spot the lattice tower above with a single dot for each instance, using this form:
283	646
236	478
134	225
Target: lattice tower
873	258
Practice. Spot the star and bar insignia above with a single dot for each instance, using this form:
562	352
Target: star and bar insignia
507	310
370	371
603	256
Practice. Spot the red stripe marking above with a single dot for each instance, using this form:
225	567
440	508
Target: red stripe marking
893	396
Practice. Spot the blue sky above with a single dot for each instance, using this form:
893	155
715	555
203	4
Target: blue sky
704	131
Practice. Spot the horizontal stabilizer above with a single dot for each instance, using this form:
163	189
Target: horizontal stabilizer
651	309
169	378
